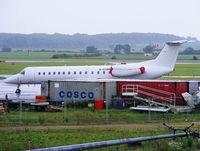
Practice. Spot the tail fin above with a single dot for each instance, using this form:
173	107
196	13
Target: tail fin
169	53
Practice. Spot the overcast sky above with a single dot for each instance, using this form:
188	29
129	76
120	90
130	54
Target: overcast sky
179	17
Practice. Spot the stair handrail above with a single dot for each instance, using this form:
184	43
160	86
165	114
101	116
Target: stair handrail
135	88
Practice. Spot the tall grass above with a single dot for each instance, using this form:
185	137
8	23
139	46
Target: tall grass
87	116
31	139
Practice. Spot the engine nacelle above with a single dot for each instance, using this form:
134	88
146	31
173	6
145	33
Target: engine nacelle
125	71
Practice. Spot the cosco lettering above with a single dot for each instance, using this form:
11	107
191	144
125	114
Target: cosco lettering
76	95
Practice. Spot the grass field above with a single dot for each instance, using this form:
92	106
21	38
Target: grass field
186	69
24	55
172	78
48	55
85	116
30	138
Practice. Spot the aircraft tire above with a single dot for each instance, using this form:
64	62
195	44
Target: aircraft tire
18	91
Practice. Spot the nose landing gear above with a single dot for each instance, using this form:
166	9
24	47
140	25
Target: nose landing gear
18	90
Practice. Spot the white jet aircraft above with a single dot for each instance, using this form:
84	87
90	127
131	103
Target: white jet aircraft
152	69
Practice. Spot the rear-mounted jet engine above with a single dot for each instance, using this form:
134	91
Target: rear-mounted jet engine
125	70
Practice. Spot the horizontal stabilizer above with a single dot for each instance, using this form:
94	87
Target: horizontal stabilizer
178	42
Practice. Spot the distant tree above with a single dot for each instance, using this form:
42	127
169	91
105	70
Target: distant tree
117	52
114	57
42	50
118	48
85	55
6	49
79	41
56	56
148	49
189	50
91	49
127	49
107	52
195	58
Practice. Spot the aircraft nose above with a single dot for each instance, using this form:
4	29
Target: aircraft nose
13	79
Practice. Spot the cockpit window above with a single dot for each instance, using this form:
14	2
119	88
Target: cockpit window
22	72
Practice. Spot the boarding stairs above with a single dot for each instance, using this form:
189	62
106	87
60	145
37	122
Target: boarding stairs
151	94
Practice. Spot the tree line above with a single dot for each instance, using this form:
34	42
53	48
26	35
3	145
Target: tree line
92	51
81	41
68	56
190	51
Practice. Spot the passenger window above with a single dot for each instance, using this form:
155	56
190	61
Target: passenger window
63	73
104	72
74	72
38	73
54	73
43	73
85	72
49	73
58	73
68	72
98	72
80	72
92	72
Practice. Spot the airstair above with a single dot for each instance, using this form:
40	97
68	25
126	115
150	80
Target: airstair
152	99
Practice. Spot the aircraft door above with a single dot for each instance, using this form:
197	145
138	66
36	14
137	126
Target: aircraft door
31	76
